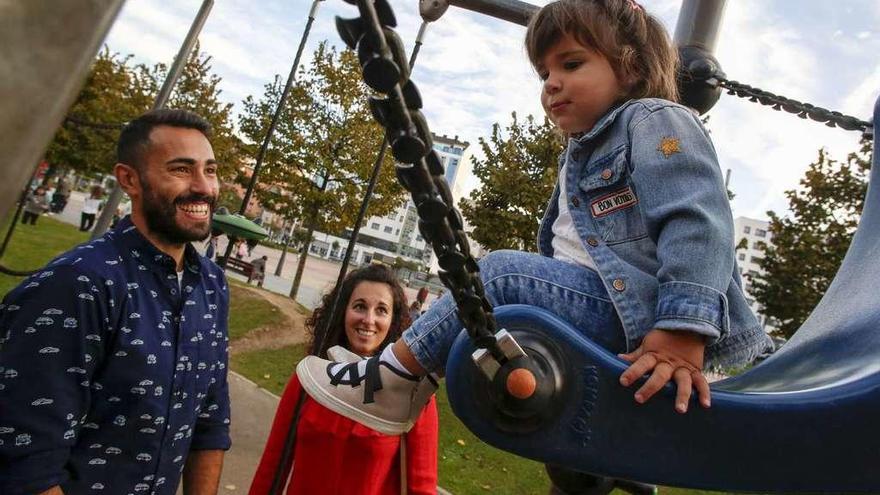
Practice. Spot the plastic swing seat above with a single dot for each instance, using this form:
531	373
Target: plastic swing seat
805	420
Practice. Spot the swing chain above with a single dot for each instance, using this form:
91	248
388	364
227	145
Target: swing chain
385	69
802	110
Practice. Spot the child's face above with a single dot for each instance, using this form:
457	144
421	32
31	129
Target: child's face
579	85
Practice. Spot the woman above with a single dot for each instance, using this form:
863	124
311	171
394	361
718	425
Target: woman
91	208
333	454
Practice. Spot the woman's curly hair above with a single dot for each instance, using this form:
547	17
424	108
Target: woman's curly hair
318	321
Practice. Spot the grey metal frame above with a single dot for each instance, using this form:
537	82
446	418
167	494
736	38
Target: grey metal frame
46	48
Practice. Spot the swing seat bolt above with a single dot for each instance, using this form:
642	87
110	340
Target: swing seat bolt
521	383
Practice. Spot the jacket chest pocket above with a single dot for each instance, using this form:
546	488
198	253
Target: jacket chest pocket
612	200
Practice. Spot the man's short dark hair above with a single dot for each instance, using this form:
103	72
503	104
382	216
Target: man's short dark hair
135	136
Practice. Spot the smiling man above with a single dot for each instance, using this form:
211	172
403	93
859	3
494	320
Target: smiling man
113	357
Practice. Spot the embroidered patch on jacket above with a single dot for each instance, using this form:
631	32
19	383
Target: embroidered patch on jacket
610	203
669	146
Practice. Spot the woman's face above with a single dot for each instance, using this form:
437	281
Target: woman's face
368	317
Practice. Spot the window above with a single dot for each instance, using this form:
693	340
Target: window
419	238
757	259
742	256
760	245
396	231
760	232
400	218
388	229
747	229
374	226
752	273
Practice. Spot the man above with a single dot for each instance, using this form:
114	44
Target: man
113	357
258	273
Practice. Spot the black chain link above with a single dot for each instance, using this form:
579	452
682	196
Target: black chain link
802	110
385	69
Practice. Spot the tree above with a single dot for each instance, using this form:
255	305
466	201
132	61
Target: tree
114	92
517	177
198	90
810	243
322	154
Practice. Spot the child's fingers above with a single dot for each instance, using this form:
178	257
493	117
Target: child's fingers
683	385
659	377
643	365
632	356
702	387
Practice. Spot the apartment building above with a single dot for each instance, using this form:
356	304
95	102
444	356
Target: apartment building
753	235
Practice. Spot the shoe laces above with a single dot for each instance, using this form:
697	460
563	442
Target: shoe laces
348	374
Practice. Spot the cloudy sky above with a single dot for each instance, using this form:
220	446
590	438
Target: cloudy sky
472	70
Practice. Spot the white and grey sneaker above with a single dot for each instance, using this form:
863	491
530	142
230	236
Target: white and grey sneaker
342	355
376	395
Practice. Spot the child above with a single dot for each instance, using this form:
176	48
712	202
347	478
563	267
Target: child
637	241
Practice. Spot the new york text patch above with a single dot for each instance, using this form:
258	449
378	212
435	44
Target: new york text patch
617	200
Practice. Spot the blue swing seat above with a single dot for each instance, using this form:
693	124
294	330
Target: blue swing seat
805	420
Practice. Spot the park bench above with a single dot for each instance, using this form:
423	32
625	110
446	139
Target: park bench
240	266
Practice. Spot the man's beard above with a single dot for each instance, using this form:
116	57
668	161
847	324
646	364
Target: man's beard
161	216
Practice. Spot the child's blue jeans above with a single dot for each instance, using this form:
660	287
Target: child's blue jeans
571	292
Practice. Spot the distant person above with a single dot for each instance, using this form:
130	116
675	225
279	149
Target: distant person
415	310
241	250
258	274
115	355
35	205
422	296
334	455
92	206
60	196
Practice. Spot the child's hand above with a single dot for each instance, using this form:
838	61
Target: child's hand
672	355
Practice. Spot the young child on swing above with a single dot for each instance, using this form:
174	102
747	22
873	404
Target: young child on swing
637	243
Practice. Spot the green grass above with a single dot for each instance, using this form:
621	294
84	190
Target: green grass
32	246
248	311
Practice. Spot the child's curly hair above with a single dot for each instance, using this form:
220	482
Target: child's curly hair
400	320
635	43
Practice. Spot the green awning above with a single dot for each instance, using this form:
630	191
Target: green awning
235	225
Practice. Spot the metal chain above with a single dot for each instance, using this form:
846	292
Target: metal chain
802	110
385	69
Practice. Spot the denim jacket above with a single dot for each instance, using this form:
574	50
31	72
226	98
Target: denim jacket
649	203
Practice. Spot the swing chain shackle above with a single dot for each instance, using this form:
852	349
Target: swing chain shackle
419	169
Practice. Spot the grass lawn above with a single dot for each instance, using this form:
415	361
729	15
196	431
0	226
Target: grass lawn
467	465
32	246
248	311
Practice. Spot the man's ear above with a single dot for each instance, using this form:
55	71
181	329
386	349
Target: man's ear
127	178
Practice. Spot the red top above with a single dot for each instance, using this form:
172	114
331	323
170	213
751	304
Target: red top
337	456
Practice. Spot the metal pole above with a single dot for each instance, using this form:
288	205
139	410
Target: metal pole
290	440
507	10
42	75
699	22
265	146
189	42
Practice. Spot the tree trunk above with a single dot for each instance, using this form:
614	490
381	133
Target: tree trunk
304	253
288	236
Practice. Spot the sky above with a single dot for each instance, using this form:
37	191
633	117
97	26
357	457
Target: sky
472	70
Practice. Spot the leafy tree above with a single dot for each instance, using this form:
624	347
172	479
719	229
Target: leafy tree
198	90
810	243
517	176
117	91
114	92
322	154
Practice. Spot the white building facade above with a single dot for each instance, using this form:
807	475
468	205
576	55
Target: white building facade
754	235
397	234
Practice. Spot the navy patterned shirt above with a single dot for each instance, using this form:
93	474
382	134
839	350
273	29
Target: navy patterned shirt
112	370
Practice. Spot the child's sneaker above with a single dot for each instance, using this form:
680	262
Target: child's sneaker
342	355
380	397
